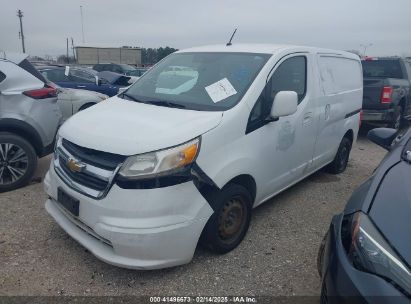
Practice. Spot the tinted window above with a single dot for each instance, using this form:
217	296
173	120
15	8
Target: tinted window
291	75
27	66
385	68
408	67
55	75
2	76
99	67
81	76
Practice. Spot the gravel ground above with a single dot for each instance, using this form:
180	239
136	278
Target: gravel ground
277	257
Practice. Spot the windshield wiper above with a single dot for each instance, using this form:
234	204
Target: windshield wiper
162	103
130	97
166	104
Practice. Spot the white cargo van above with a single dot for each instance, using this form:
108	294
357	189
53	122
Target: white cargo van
183	156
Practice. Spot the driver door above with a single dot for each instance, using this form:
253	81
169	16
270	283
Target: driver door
286	145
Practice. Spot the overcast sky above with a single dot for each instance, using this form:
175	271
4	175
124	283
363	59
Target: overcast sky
343	24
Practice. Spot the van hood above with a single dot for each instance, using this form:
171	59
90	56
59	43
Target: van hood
126	127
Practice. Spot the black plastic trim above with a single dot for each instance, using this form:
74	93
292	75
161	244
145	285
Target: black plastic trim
205	185
352	113
173	178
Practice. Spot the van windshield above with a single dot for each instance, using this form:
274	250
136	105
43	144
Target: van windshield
198	81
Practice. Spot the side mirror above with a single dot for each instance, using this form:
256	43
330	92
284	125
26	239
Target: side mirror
382	137
285	103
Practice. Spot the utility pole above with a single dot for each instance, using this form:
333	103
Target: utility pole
68	60
20	15
72	46
82	23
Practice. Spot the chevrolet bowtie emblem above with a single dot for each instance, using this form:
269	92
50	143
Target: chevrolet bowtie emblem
75	165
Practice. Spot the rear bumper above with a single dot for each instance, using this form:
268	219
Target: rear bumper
377	115
342	283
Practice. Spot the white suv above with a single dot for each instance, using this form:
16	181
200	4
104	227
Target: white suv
184	156
29	118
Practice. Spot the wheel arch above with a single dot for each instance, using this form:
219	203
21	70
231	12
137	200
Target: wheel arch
350	135
24	130
248	182
85	105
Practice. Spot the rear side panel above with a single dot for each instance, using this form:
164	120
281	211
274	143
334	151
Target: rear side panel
341	91
43	115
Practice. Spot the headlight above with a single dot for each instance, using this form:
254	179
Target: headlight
370	252
160	162
57	143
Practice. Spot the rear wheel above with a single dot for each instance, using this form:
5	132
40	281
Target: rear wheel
339	164
229	223
18	161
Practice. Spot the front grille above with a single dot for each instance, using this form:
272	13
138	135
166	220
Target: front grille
83	178
99	159
97	170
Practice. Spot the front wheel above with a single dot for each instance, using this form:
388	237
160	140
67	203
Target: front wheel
229	223
18	161
339	164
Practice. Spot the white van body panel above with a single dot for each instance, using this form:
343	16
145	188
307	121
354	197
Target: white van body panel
339	96
140	223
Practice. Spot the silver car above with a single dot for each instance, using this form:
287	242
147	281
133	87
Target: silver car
72	101
29	119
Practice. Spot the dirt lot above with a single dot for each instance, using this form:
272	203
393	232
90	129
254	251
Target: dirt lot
277	257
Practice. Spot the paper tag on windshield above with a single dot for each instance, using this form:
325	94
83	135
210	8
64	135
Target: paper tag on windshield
67	70
220	90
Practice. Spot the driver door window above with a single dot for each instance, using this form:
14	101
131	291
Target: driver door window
291	75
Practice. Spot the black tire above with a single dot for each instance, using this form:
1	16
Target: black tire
397	118
320	256
18	165
229	223
339	164
85	106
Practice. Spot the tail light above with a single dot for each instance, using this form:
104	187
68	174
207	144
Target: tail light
386	96
46	92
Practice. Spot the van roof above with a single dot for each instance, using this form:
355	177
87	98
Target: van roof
264	49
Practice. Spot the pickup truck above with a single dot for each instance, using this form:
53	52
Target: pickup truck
387	94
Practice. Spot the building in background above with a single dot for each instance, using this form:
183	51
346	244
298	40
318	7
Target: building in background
94	55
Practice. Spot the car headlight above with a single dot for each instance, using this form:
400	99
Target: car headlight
370	252
160	162
57	143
